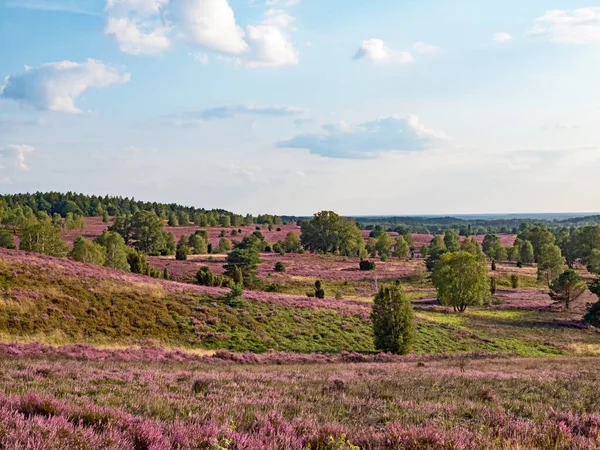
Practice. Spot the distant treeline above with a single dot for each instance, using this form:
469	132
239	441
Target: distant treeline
55	203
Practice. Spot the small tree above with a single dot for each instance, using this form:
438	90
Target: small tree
461	280
105	217
182	252
550	263
247	261
393	320
88	252
166	275
279	267
173	222
401	249
493	264
234	298
451	241
116	250
567	288
319	291
224	244
526	255
238	276
205	277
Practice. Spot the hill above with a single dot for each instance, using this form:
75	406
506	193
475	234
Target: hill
58	301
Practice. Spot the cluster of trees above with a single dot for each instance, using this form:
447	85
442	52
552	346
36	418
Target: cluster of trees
328	232
384	246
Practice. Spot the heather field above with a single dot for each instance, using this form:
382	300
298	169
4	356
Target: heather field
94	358
50	400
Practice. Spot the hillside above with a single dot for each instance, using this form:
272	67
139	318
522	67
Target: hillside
59	301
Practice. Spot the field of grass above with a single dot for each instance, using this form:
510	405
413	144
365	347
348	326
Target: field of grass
446	403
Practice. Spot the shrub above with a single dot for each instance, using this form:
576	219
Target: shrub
338	295
393	320
519	264
319	291
493	285
182	252
493	264
514	280
279	267
166	275
593	314
367	265
205	277
234	298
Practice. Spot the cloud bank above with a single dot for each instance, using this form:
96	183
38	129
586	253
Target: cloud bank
153	26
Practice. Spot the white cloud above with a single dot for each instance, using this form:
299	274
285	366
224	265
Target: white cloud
375	50
423	47
133	40
55	86
270	43
501	37
368	140
18	153
581	26
209	24
152	26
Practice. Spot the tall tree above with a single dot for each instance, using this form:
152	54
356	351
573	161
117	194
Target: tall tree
327	232
247	261
526	253
116	250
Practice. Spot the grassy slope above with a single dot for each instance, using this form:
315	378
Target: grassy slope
59	302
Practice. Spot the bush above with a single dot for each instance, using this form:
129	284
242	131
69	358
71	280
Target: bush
393	320
234	298
205	277
319	291
593	314
338	295
514	280
493	285
367	265
493	264
279	267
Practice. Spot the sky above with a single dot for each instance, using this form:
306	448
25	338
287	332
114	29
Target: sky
382	107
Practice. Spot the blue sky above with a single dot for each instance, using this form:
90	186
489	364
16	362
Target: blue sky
294	106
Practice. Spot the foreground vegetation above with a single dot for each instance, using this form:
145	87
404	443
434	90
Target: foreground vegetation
451	403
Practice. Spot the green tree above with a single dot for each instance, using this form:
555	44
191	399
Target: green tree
501	254
105	217
198	244
567	288
43	237
435	250
245	259
291	243
538	236
182	252
393	320
173	222
526	253
327	232
550	263
592	315
319	290
461	280
471	246
225	221
224	245
491	242
384	245
116	250
452	240
593	262
402	248
88	252
147	232
7	239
